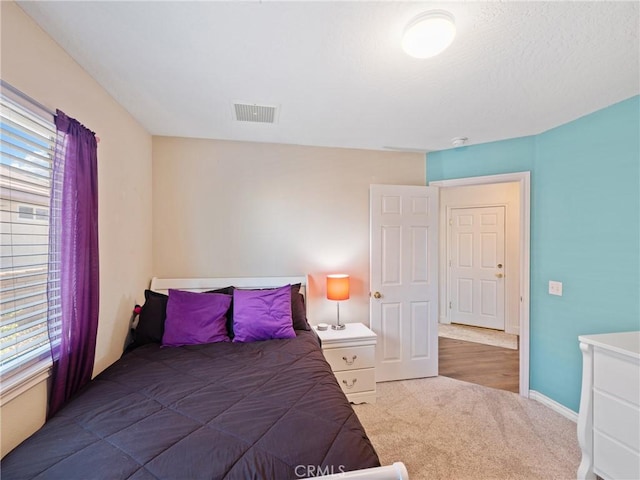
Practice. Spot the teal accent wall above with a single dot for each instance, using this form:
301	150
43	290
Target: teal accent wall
507	156
585	232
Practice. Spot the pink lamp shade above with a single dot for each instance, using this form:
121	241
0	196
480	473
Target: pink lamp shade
338	287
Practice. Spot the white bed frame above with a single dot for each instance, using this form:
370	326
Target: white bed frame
162	285
397	471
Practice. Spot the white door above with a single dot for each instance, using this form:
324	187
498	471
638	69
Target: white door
476	266
404	280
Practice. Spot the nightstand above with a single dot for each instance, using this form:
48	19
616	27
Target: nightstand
352	353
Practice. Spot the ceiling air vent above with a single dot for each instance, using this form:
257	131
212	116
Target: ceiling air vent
255	113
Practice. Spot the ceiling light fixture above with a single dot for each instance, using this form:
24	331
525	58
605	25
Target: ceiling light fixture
429	34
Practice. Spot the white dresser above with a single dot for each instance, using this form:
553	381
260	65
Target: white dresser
609	419
352	353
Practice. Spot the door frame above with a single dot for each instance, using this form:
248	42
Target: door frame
524	179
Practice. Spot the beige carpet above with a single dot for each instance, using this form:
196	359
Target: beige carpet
443	428
478	335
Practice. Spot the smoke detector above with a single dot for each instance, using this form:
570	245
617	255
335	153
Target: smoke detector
459	141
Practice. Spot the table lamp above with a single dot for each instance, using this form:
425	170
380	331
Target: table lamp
338	289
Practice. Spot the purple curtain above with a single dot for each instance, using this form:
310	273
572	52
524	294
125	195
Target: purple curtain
73	284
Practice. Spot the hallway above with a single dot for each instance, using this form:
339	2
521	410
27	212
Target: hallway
486	365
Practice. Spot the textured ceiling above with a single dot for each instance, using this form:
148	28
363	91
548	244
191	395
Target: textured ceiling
337	73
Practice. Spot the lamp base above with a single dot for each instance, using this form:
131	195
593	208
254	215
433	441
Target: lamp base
338	327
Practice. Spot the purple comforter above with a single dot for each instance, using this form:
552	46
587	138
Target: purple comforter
264	410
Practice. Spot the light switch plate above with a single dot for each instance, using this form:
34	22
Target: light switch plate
555	288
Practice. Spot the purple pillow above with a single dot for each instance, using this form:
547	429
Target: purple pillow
194	318
262	314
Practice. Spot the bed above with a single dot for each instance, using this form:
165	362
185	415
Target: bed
268	409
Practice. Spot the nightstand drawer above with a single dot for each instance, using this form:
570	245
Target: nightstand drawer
353	381
350	358
351	354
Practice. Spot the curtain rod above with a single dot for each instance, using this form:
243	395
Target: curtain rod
26	97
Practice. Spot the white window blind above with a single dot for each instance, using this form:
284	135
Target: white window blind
26	147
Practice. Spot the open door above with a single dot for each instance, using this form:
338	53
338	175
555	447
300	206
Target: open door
404	280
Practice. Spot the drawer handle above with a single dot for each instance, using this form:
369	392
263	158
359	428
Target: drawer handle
350	362
346	384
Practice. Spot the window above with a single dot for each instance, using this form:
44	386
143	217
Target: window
33	213
26	152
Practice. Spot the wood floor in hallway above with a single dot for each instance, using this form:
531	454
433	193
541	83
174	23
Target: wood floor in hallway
485	365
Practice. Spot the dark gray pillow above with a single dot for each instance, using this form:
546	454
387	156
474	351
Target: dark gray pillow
298	310
152	316
227	291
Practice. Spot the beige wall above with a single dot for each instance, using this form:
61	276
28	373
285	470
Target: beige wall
225	208
507	194
32	62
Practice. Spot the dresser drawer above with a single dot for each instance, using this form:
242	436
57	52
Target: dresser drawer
617	419
613	460
350	358
353	381
616	375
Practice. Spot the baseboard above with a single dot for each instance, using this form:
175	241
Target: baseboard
553	405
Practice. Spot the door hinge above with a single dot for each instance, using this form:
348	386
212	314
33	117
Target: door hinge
449	305
449	262
451	221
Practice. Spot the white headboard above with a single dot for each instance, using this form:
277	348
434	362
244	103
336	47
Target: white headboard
162	285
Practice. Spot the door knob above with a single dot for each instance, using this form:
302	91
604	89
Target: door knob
377	295
499	275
